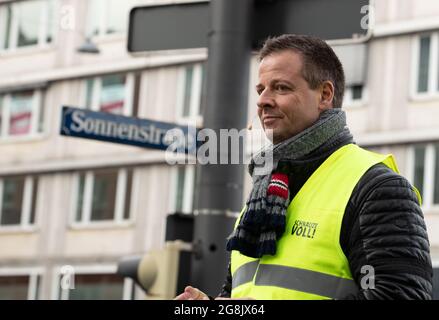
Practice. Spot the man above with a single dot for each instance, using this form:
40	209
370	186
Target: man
331	220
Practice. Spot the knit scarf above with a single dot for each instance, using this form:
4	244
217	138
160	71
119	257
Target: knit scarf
264	219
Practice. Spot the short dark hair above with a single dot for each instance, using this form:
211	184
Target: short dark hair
320	63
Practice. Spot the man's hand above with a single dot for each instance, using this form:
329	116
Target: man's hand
191	293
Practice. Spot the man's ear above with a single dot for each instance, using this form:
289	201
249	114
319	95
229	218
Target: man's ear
326	95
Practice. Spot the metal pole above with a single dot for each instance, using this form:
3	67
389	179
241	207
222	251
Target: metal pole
219	186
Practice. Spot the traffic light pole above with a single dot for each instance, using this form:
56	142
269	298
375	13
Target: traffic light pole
219	186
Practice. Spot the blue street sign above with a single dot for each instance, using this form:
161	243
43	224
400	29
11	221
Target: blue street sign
104	126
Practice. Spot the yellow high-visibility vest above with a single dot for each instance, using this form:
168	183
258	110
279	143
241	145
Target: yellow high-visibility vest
309	262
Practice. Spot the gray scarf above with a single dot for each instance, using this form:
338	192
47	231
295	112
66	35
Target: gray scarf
263	222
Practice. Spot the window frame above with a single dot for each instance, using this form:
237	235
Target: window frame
194	116
97	90
43	31
34	286
57	293
188	189
26	207
36	109
102	19
433	76
428	178
120	200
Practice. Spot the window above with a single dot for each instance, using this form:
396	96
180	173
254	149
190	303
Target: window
97	287
184	182
427	64
418	179
424	61
357	92
21	114
354	96
191	90
190	99
111	93
1	114
103	195
188	85
18	201
108	16
19	285
95	283
14	288
425	174
27	23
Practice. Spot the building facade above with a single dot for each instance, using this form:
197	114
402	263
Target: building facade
71	205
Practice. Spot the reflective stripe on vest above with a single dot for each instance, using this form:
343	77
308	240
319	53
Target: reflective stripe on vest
294	279
244	274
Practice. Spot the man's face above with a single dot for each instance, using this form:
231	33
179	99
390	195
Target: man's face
286	104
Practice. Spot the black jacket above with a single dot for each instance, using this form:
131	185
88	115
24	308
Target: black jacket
383	227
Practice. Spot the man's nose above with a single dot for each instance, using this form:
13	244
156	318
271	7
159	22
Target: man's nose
265	100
